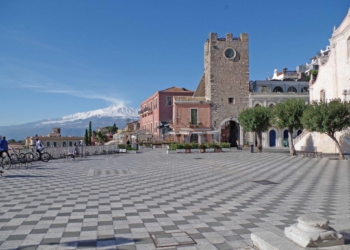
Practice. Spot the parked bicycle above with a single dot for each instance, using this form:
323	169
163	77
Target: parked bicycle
15	158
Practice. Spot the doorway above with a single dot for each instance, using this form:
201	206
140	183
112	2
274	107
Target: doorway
230	133
272	136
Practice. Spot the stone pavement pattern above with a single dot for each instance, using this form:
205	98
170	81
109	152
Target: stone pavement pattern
118	201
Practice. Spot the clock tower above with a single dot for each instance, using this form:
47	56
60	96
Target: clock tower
225	82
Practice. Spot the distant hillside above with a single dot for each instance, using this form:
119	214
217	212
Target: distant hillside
74	124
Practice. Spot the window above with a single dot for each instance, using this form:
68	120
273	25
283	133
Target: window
262	88
150	127
48	144
168	101
323	95
194	117
64	144
348	48
55	144
304	89
156	103
155	126
231	100
292	89
278	89
70	144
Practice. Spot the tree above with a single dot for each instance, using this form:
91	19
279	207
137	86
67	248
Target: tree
101	137
86	138
256	120
288	115
329	118
90	133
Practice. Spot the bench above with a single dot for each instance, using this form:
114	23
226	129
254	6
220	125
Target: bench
309	152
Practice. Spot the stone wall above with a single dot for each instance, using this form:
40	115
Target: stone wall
226	78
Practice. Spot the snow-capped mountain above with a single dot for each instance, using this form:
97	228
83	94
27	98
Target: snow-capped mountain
74	124
113	111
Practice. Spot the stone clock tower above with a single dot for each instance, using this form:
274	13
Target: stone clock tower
225	82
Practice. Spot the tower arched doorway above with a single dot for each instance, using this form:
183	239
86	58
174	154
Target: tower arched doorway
230	132
272	137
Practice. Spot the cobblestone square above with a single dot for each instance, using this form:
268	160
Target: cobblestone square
118	201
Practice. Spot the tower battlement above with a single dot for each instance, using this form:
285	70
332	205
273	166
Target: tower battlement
213	37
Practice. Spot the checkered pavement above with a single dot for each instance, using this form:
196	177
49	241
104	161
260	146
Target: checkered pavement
120	201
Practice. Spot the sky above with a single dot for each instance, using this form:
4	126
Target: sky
60	57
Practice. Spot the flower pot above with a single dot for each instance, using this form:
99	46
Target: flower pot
202	150
217	150
180	150
188	150
209	150
226	149
195	150
171	152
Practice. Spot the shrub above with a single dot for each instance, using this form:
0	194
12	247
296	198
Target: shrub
225	144
214	145
180	146
188	146
194	145
122	146
202	146
173	146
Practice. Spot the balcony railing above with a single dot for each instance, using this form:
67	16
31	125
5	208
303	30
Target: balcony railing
144	110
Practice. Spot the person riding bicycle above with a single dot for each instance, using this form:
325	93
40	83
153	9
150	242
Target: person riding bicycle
4	147
39	147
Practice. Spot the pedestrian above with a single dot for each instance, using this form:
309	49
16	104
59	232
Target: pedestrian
75	149
4	147
137	144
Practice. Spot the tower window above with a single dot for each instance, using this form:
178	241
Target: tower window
231	100
168	101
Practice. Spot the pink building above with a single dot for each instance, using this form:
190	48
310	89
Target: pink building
157	110
191	119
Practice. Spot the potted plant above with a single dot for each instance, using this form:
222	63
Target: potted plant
202	148
200	124
217	147
209	147
225	146
195	147
188	147
180	148
172	148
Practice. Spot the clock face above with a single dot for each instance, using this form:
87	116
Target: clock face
230	53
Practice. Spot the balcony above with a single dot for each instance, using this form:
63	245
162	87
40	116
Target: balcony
144	110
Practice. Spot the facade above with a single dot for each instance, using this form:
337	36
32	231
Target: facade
54	139
269	93
126	134
333	81
222	93
191	119
157	110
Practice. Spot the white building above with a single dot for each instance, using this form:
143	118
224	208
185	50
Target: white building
333	81
269	93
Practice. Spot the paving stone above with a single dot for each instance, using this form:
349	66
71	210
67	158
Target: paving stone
213	199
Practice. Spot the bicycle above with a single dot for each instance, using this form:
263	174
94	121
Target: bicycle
34	155
15	158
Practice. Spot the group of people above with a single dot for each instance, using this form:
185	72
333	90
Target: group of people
4	147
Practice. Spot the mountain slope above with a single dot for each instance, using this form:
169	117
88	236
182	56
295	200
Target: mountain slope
74	124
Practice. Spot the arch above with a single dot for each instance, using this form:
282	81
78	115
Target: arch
64	144
257	104
48	144
305	89
272	138
278	89
70	144
292	89
299	132
55	144
271	104
285	134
